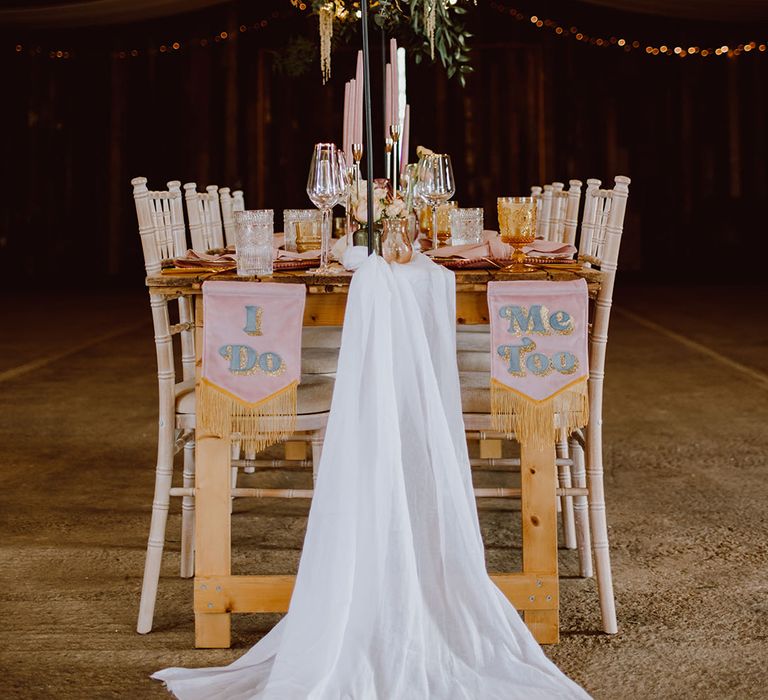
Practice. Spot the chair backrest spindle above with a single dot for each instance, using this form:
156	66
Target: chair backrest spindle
571	216
230	203
161	223
204	215
545	213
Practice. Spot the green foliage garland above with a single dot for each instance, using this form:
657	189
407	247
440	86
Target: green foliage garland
407	20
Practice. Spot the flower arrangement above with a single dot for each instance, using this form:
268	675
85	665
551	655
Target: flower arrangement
385	204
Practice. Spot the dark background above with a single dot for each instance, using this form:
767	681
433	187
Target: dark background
689	132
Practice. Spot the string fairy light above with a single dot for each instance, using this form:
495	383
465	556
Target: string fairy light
175	46
621	42
560	29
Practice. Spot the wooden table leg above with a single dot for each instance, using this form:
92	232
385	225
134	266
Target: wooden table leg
540	535
213	537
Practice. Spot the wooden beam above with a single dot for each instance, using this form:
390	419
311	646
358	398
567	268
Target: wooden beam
272	593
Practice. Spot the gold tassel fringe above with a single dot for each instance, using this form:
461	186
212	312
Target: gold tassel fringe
258	425
537	423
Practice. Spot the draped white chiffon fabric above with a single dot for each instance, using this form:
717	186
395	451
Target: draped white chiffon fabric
392	600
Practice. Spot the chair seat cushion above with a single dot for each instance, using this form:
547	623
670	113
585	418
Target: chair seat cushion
474	361
321	337
473	341
475	392
319	360
314	395
185	396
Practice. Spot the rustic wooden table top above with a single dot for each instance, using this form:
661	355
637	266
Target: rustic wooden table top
190	281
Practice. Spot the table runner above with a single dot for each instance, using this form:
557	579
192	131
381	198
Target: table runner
539	361
251	360
392	600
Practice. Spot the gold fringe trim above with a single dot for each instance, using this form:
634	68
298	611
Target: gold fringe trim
537	423
258	425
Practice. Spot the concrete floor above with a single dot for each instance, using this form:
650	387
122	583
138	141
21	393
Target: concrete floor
686	447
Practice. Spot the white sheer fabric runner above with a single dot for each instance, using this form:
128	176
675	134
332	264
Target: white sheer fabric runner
392	599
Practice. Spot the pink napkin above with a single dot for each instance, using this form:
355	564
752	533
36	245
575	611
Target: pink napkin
193	258
492	247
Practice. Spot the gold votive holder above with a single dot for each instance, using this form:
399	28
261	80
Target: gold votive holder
517	226
303	229
339	226
444	222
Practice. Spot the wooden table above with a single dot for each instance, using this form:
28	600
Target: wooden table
217	593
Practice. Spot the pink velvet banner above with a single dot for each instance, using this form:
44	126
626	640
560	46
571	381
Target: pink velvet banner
538	336
252	338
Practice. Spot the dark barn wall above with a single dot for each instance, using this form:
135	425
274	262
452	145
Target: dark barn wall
689	132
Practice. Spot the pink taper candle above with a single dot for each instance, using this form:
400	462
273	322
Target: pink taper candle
388	99
351	113
404	138
345	126
395	118
359	100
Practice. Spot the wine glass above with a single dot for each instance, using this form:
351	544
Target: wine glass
325	187
436	184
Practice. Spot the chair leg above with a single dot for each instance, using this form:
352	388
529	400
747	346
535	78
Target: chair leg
160	504
317	451
566	502
599	524
580	510
188	514
233	484
235	447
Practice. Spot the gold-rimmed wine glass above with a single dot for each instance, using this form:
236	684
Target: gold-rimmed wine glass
517	226
436	184
325	187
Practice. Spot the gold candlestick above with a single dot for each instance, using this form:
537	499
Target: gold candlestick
394	131
388	157
357	155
